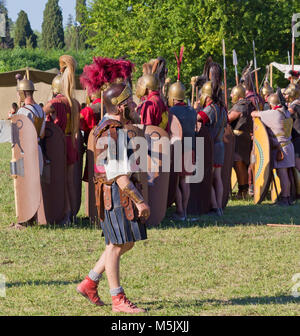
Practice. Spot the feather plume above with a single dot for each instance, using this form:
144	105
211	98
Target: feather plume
105	71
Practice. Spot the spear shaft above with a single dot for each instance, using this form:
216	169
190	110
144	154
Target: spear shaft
225	74
255	69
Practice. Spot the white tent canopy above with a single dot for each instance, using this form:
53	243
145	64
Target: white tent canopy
285	68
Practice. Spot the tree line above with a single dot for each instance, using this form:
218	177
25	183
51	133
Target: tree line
145	29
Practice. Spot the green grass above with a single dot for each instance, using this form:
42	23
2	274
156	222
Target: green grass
233	266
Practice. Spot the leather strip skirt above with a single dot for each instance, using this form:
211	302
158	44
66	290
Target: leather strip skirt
117	229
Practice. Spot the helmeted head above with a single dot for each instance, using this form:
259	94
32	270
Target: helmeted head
237	93
266	91
206	92
57	86
292	92
146	83
176	92
24	87
274	100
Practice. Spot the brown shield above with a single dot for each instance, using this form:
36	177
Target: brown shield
200	197
175	133
25	168
229	143
78	173
90	199
158	181
54	175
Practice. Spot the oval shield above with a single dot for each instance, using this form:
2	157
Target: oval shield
262	167
200	197
25	168
54	174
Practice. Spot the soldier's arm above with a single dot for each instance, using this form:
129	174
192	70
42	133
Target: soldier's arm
233	115
49	108
255	114
130	190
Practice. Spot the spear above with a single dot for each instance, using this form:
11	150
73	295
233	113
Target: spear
235	63
289	58
255	68
293	42
225	75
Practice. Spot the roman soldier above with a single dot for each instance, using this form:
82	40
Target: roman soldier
28	107
292	95
121	207
63	110
266	91
240	119
187	117
279	123
152	109
214	116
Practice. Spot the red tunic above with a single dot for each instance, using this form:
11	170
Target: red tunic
88	122
152	109
63	116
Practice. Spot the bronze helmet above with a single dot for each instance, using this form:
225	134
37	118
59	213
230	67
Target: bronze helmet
176	91
238	92
115	95
57	84
274	100
145	82
292	92
266	90
206	91
24	85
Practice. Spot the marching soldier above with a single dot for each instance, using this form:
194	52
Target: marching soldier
292	94
187	117
121	207
279	123
152	110
63	110
240	119
214	116
29	108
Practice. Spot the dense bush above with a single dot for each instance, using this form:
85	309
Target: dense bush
18	58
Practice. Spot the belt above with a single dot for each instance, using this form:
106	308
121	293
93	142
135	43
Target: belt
283	144
238	132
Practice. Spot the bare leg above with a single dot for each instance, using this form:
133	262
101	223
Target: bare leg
112	262
185	189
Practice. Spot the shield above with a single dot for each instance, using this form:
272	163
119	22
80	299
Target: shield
262	167
54	174
275	186
158	180
234	180
175	133
78	173
200	197
90	199
297	181
25	168
229	144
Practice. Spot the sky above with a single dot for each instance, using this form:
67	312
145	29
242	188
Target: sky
35	10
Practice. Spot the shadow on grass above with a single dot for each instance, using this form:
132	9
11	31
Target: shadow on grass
234	215
42	283
264	300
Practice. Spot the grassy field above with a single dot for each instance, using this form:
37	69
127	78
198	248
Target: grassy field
233	266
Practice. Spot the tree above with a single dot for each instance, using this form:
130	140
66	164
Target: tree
23	34
52	27
71	34
81	15
147	29
7	41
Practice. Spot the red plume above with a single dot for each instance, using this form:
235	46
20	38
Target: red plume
179	61
104	71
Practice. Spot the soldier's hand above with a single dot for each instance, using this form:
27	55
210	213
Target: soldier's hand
144	210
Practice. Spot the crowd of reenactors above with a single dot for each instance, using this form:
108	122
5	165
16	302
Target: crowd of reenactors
120	200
